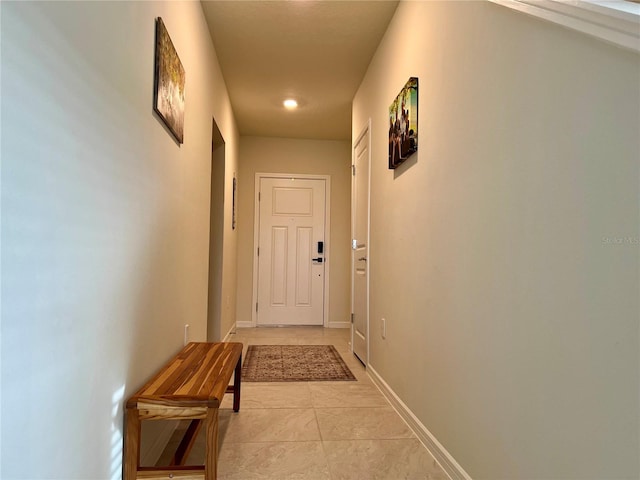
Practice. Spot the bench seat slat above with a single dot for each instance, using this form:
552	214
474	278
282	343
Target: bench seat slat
203	379
192	362
220	374
198	375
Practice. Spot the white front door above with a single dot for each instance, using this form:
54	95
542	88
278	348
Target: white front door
360	247
291	251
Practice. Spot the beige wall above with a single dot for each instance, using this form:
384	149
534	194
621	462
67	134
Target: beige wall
504	256
279	155
105	222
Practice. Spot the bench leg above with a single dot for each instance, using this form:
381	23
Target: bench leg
131	444
211	455
236	385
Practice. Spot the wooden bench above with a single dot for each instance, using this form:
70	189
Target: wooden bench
190	386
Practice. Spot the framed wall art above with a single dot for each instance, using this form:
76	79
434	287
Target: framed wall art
169	79
233	205
403	124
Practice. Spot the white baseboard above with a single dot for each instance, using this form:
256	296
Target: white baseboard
444	458
339	325
231	331
161	435
330	325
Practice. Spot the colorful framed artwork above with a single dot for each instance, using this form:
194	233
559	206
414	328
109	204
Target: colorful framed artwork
169	80
403	124
233	206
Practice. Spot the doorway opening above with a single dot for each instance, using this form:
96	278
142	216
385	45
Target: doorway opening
216	236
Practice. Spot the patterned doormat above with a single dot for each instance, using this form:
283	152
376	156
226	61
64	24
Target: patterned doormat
294	363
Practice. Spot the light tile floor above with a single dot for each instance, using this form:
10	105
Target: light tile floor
314	430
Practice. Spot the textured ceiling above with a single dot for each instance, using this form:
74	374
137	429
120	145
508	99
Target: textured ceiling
314	51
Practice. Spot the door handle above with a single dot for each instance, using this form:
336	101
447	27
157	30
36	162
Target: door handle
317	260
362	259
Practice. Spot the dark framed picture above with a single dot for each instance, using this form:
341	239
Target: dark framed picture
233	206
168	91
403	124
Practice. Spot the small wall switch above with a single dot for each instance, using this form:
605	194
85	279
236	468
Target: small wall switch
383	328
186	334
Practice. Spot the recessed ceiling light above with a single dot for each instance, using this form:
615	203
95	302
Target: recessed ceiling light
290	103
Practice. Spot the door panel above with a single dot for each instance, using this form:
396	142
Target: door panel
360	249
303	266
279	248
290	279
293	201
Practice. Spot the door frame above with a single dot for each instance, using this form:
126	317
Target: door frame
366	129
327	242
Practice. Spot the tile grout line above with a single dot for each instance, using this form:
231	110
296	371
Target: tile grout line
324	451
312	402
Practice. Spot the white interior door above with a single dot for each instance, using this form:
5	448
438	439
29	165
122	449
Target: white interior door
360	247
291	251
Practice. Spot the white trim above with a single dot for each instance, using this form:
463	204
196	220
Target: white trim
366	129
615	21
256	239
245	325
231	331
256	242
327	245
444	458
339	325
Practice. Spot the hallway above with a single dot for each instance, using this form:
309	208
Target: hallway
503	255
314	430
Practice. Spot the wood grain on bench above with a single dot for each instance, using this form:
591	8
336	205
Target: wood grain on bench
190	386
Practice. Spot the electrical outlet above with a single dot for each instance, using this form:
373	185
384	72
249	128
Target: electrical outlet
383	328
186	333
